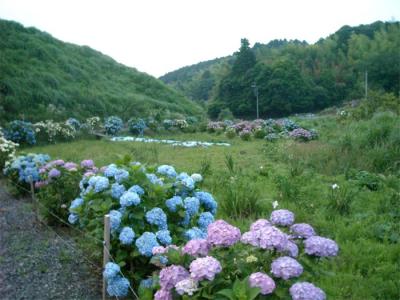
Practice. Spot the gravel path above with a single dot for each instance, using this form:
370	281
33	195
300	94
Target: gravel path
35	263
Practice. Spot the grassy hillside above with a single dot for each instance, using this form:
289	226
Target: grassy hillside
44	78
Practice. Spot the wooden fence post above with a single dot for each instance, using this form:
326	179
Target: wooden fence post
106	247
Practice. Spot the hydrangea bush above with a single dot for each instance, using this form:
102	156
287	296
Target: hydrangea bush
113	125
7	150
149	207
226	264
20	132
58	184
24	169
137	126
50	131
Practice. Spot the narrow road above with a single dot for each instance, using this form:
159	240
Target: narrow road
35	263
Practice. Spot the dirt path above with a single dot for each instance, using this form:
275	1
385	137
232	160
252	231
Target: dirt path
35	263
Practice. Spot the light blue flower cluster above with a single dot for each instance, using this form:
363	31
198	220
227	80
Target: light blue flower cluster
137	189
110	170
99	183
115	219
157	217
126	236
27	167
195	233
117	286
75	204
173	203
146	242
117	190
185	180
207	201
154	179
164	236
146	283
192	206
73	218
129	199
166	170
205	219
121	175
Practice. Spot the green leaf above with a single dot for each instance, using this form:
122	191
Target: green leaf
227	293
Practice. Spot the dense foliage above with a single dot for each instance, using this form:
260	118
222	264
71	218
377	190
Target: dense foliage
44	78
292	76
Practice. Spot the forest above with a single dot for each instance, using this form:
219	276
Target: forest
293	76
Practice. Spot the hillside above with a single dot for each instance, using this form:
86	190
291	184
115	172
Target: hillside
44	78
293	76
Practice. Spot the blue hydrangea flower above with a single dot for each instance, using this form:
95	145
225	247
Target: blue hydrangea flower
126	236
166	170
118	287
163	259
195	233
129	199
185	180
205	219
102	184
137	189
192	205
157	217
117	190
111	170
121	175
115	219
75	204
146	283
164	236
111	270
73	218
146	242
208	202
154	179
173	203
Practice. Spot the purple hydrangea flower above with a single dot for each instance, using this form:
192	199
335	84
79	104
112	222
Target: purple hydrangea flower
286	267
282	217
87	164
262	281
54	173
220	233
302	230
291	249
320	246
163	295
204	268
171	275
196	248
259	224
58	162
306	291
268	237
71	166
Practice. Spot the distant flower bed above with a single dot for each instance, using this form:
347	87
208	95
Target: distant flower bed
188	144
270	129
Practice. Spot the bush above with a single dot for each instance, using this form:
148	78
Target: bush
7	150
148	207
49	131
113	125
137	126
230	132
74	123
245	135
20	132
259	133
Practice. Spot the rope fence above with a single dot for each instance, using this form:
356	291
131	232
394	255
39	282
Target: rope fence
107	256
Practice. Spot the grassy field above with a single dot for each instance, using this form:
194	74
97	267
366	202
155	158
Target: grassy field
362	215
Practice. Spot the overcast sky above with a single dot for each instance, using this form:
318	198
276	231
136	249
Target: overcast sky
158	36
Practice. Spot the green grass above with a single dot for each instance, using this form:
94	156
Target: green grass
363	222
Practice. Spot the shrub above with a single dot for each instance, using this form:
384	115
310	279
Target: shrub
49	131
180	124
136	126
272	137
92	124
58	184
7	150
259	133
24	169
20	132
159	206
113	125
301	134
245	135
230	132
74	123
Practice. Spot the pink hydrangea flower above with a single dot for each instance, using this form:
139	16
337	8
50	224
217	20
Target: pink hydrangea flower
204	268
171	275
220	233
262	281
196	248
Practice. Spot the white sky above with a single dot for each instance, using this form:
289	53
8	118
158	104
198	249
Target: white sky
158	36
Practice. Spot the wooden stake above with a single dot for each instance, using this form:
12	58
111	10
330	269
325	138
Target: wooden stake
106	247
